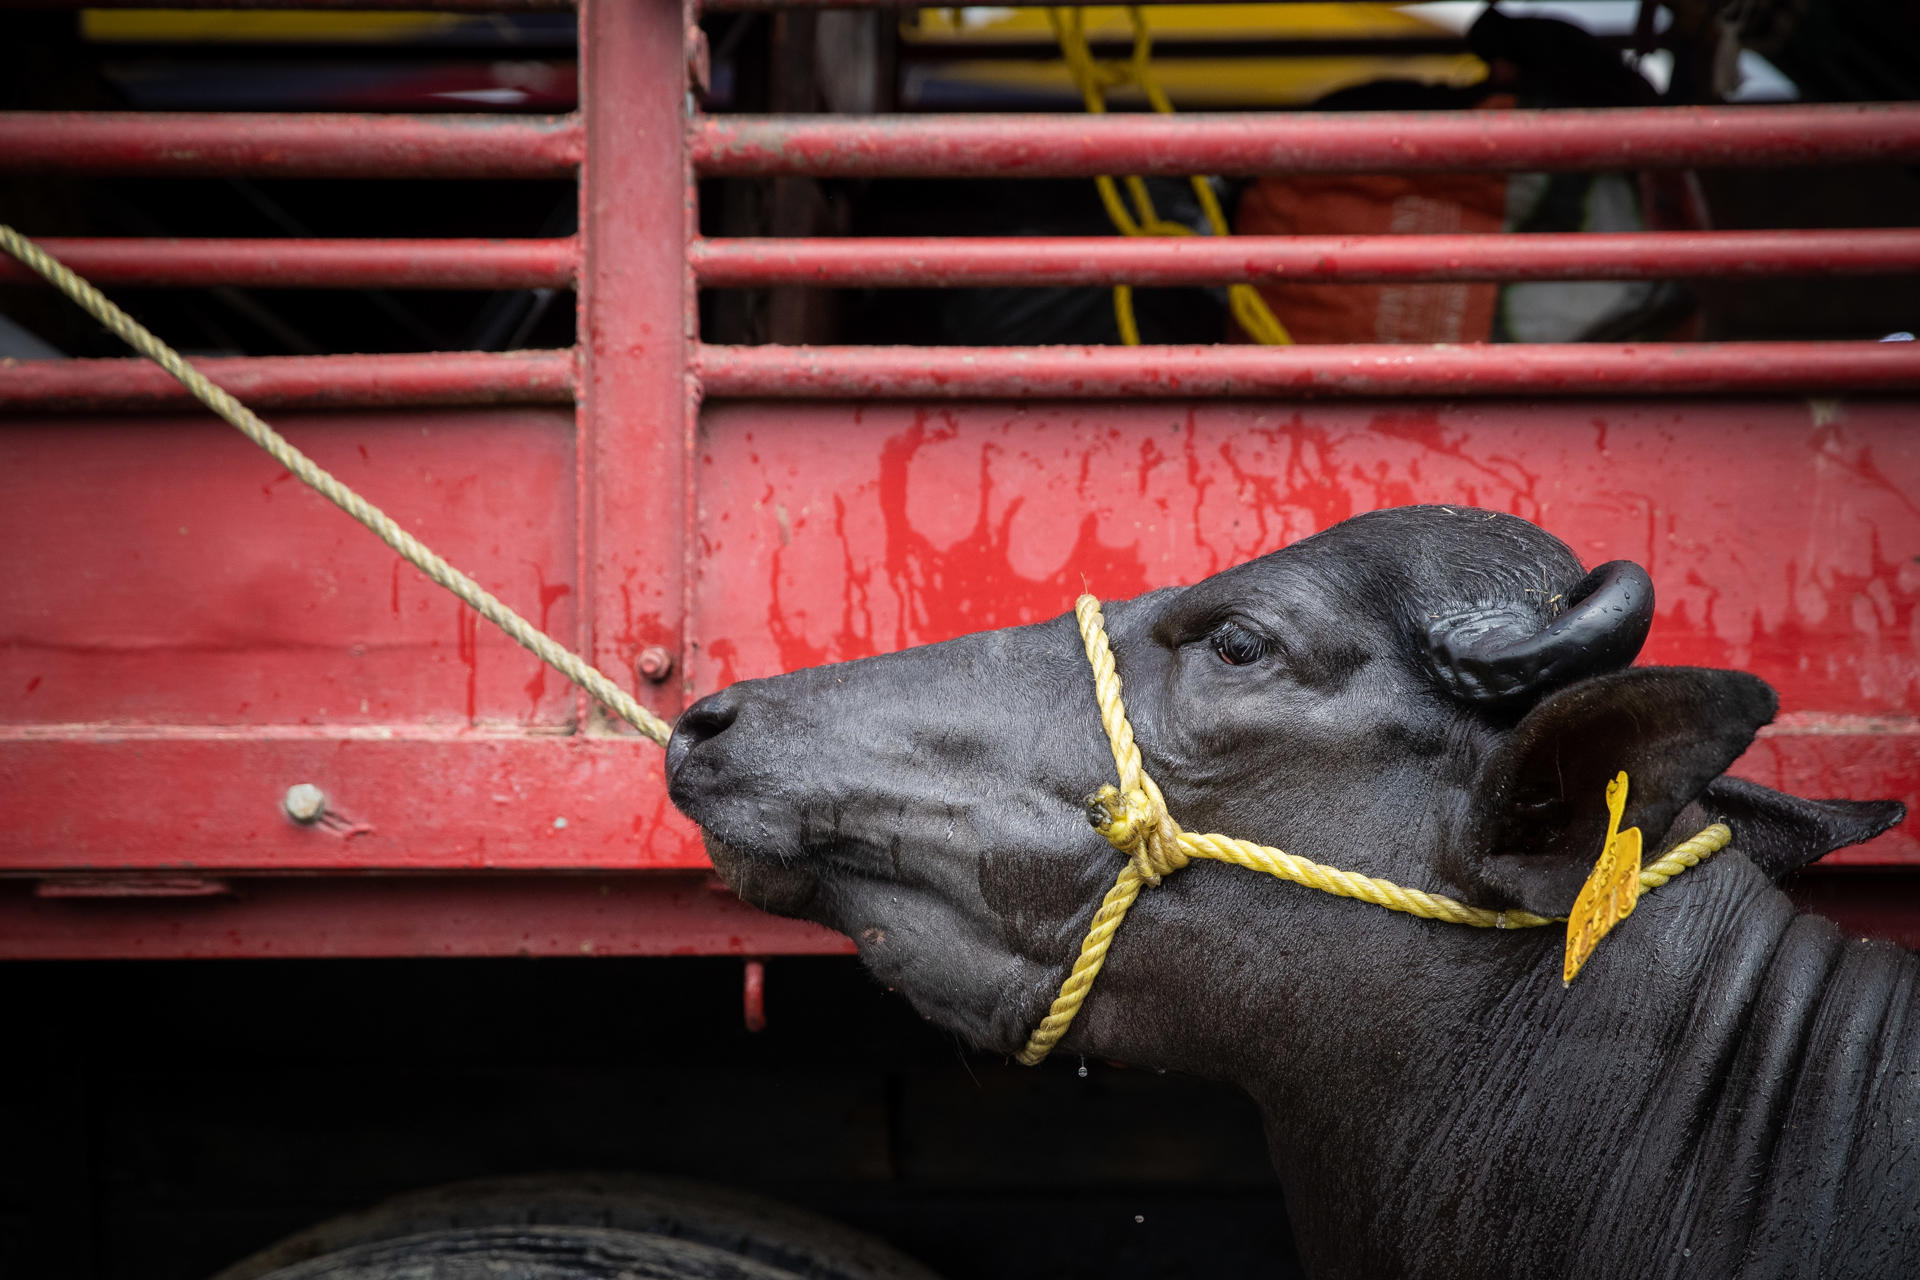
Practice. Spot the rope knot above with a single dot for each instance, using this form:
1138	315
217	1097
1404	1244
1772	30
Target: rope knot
1135	824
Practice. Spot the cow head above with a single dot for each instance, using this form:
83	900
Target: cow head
1434	695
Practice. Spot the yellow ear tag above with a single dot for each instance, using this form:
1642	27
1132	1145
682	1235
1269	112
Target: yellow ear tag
1609	895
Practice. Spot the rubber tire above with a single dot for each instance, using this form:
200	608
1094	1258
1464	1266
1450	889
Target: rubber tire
746	1226
530	1253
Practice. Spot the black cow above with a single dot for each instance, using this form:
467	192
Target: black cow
1436	696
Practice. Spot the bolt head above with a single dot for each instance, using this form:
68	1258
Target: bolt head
305	803
654	663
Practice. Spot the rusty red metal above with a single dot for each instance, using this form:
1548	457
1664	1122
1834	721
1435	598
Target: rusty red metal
727	6
130	886
634	432
314	264
179	144
602	914
411	6
1777	530
130	798
286	382
1099	373
186	635
194	584
1014	261
1007	261
753	995
1034	146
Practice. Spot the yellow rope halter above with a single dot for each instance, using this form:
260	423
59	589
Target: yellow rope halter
1134	819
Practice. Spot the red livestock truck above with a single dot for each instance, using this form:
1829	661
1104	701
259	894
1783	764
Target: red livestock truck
236	729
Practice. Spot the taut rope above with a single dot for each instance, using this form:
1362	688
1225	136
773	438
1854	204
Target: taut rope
485	603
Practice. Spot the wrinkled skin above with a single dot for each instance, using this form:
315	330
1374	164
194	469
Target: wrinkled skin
1727	1089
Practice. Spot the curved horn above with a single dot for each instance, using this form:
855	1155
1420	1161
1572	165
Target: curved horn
1488	657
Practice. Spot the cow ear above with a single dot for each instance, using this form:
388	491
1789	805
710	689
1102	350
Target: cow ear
1672	730
1780	833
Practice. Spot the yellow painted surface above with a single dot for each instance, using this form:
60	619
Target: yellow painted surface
1208	21
1192	83
1203	83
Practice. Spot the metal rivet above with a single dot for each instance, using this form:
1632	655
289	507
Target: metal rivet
654	663
305	803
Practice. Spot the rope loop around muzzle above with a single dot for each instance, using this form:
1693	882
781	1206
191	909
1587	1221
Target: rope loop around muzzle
1133	818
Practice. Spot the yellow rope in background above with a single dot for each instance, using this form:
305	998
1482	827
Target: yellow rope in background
1093	79
137	336
1134	819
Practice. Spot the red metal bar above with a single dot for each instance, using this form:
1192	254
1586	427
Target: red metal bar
730	6
279	145
315	382
400	798
315	264
587	915
427	6
753	995
1035	146
1193	372
634	437
1067	260
460	915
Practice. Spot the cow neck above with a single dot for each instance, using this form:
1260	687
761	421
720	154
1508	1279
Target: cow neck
1133	818
1681	1118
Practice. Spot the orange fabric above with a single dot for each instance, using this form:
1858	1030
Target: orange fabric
1429	203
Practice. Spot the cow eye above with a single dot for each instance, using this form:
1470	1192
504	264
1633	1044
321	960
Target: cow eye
1236	646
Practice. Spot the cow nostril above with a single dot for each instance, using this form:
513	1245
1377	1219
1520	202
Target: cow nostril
705	719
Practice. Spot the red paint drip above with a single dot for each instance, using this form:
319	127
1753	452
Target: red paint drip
548	596
466	622
970	585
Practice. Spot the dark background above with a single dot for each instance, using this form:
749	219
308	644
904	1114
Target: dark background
162	1120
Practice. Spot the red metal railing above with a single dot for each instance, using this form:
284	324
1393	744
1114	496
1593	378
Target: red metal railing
316	264
1070	260
446	6
1339	370
635	575
286	382
449	146
177	144
1001	261
1036	146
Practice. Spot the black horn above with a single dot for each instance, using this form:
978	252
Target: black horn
1490	656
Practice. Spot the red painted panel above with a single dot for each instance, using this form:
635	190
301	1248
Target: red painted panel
1783	536
210	801
166	570
1845	757
635	915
